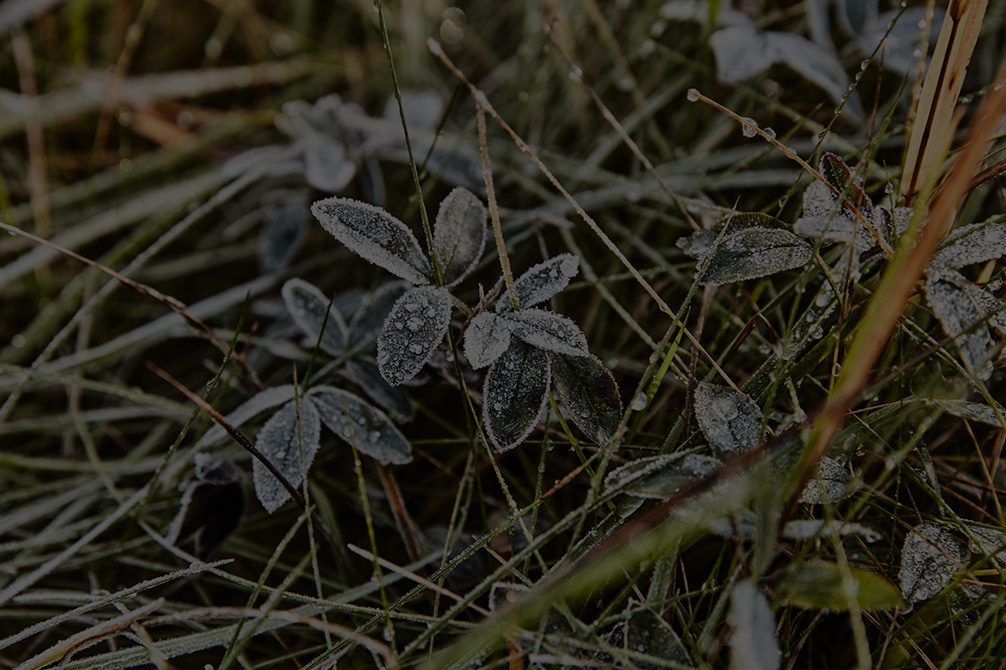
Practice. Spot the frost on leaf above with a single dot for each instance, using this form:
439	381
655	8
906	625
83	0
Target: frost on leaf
829	484
308	305
216	471
822	219
660	476
972	411
392	399
505	594
542	281
285	218
459	234
975	243
700	242
729	419
258	403
375	236
752	253
753	645
514	393
411	333
957	313
929	560
988	542
326	165
589	393
809	529
741	53
290	446
365	427
644	632
487	337
816	66
547	330
369	317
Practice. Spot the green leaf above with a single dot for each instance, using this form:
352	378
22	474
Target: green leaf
819	585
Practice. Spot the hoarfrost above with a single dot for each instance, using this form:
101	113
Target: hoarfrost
929	559
291	448
974	243
283	229
729	419
753	645
391	398
808	529
972	411
487	337
547	330
660	476
823	219
365	427
411	333
503	593
829	484
542	281
588	391
258	403
376	236
216	471
369	317
326	165
307	305
988	542
514	394
459	234
753	253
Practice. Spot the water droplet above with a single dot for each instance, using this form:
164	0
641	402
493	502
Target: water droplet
639	402
375	435
399	325
770	132
576	74
922	23
725	408
416	348
863	64
415	323
693	95
917	53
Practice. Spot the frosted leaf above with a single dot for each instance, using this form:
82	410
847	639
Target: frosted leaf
411	333
753	645
815	65
972	411
729	419
644	632
514	393
929	559
753	253
902	218
956	312
542	281
423	109
502	594
217	471
700	242
698	11
829	484
809	529
589	393
487	337
902	42
741	53
376	236
459	234
988	542
369	317
258	403
392	399
547	330
855	15
975	243
283	230
307	305
660	476
326	165
826	586
289	447
367	428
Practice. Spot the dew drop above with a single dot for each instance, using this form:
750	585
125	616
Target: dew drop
749	127
693	95
416	348
725	408
375	435
639	402
863	64
770	132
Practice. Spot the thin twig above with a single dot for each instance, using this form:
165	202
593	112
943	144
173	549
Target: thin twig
494	212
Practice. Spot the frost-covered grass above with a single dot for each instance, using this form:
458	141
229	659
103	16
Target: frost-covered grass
636	350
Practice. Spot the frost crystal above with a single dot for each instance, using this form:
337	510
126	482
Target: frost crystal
391	398
975	243
929	560
258	403
307	305
729	419
290	447
369	317
753	253
413	330
547	330
365	427
542	281
487	337
459	234
376	236
957	313
514	393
